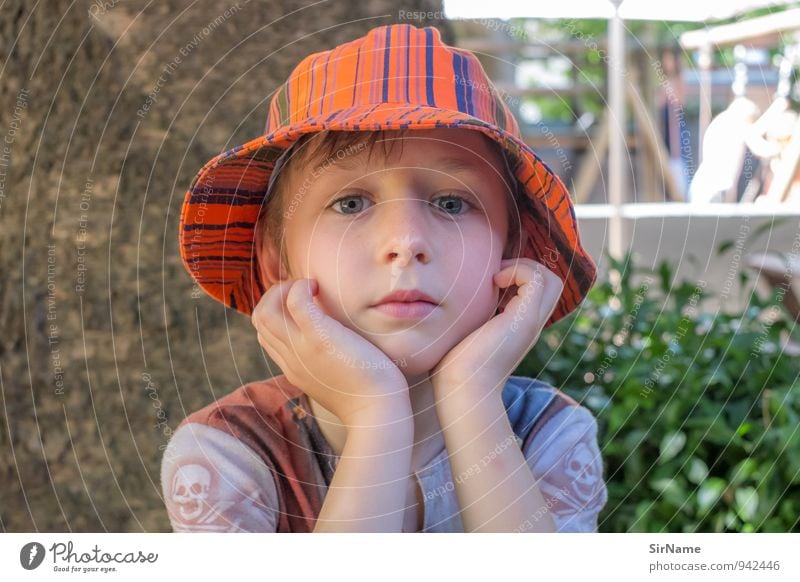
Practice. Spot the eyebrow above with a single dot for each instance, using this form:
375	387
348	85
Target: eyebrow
445	164
346	163
459	165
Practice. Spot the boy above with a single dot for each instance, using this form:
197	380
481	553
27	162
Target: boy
399	250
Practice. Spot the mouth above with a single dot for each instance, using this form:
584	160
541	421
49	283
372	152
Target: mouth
407	304
406	309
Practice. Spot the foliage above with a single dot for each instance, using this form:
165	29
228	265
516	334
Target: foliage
699	412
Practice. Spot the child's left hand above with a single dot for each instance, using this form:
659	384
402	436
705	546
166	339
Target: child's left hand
487	356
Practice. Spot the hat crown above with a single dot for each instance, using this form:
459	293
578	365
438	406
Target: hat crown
397	63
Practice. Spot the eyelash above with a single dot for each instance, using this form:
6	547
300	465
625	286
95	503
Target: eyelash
448	196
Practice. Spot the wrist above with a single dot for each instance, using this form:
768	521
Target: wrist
471	407
393	414
447	391
381	435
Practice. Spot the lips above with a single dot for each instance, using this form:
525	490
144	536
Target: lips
407	296
407	304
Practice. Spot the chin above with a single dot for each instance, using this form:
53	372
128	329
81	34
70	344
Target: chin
415	368
412	358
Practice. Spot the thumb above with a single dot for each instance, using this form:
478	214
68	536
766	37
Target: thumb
312	314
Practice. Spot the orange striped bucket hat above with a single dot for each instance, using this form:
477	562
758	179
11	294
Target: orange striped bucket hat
395	77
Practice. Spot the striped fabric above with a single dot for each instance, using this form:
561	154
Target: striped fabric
396	77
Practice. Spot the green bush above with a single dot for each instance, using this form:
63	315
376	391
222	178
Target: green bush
699	412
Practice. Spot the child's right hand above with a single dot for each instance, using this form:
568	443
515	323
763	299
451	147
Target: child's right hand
332	364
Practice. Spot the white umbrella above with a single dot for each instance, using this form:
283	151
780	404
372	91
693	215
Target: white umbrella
674	10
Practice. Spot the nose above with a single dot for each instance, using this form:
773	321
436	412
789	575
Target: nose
404	232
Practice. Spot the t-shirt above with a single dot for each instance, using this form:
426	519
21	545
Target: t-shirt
255	460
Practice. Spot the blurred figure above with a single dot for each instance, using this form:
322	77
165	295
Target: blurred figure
723	152
673	120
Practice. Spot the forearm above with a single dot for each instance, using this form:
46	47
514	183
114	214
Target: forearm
368	490
495	488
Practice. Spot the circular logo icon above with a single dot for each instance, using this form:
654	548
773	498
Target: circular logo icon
31	555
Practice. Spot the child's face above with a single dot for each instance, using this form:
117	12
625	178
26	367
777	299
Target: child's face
432	217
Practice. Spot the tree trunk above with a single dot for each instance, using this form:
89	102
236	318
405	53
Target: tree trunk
104	349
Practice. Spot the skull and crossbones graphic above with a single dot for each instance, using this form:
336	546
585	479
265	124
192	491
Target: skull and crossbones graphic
202	508
190	487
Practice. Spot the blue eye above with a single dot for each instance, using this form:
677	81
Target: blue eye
354	203
453	203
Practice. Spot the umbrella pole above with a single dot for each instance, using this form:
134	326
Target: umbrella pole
618	126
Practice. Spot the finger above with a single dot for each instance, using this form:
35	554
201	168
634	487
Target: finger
554	290
268	302
270	335
273	342
300	303
271	312
516	272
535	283
551	286
523	271
504	280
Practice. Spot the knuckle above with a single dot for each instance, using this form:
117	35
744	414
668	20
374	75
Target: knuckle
527	262
294	300
257	317
263	311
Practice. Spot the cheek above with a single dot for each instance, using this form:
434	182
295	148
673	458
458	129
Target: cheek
312	253
471	272
474	297
328	260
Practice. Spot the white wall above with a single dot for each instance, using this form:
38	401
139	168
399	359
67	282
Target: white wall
679	232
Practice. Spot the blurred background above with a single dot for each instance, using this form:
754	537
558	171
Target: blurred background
675	128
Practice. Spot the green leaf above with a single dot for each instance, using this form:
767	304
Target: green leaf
774	525
671	445
742	471
709	493
725	246
698	471
670	488
730	520
666	276
746	503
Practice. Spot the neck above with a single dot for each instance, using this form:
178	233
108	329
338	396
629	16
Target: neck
428	438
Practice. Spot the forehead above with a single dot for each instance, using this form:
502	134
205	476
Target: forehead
444	150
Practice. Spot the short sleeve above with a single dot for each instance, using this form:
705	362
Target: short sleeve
212	482
564	457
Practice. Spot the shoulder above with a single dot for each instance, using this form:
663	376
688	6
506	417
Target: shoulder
530	403
564	456
263	414
213	482
268	398
215	473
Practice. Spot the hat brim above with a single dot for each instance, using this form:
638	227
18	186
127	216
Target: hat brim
219	213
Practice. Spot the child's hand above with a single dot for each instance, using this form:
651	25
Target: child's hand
332	364
487	356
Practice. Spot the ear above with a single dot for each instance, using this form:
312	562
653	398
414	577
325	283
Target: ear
270	266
